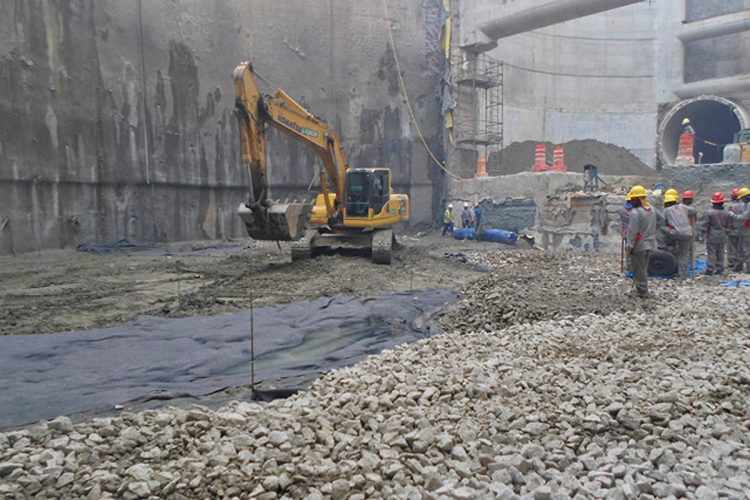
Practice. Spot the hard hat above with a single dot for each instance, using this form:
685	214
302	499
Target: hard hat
718	198
745	191
670	192
686	121
466	205
637	192
671	198
450	205
688	195
735	193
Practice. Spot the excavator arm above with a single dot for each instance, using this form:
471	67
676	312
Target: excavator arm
266	220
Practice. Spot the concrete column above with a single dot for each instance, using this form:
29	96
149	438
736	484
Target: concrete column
670	51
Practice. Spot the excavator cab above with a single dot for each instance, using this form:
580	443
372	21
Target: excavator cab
367	189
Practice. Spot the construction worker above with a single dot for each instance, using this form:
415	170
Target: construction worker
687	127
687	199
734	207
640	240
743	221
624	219
677	231
477	217
714	227
467	217
448	220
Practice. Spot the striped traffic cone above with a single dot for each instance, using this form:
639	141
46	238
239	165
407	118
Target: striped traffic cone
558	165
540	159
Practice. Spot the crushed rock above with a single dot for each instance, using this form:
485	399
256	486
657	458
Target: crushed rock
611	403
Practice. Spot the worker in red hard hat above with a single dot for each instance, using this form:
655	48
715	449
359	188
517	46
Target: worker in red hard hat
714	226
735	207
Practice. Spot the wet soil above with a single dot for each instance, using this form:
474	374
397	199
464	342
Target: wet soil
61	291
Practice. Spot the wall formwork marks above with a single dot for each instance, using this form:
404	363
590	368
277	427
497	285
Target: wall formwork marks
116	115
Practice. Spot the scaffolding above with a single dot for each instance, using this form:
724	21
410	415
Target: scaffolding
478	122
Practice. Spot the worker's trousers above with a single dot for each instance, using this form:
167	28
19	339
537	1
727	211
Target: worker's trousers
639	261
447	228
743	264
715	251
682	250
733	252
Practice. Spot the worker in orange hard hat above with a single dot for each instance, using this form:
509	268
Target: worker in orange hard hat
734	207
640	239
714	226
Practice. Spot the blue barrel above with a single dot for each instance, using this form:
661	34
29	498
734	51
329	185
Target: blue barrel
499	236
467	233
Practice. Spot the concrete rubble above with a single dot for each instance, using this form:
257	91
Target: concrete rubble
583	401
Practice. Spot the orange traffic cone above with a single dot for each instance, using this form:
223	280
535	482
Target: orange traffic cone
686	152
558	164
540	159
481	166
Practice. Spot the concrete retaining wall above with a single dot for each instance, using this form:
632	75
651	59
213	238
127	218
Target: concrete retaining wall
116	115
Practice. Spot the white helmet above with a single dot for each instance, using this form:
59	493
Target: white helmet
466	205
450	205
686	121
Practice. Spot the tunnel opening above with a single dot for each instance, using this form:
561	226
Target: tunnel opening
716	120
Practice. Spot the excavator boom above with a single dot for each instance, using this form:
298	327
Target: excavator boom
266	220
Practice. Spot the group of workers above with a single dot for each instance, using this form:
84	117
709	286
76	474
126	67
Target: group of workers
650	222
469	218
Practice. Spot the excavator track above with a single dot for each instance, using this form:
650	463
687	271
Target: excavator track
302	249
382	246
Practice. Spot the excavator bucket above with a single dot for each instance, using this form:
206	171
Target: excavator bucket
278	222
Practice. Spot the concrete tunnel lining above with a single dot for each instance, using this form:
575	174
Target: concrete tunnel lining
714	118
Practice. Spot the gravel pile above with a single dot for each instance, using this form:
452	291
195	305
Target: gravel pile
637	404
526	287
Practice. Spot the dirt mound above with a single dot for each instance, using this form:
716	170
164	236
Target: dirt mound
611	159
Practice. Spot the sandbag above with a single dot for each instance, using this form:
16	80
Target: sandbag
499	236
467	233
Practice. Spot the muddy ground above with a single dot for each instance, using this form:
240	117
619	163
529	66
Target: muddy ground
60	291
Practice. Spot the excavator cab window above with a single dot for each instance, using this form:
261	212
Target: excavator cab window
380	191
357	194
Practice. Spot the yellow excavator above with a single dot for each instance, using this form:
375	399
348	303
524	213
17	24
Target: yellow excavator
356	207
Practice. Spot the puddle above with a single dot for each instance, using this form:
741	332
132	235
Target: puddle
44	376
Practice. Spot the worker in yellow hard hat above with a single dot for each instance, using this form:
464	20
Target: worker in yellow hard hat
743	221
448	220
734	207
677	231
687	126
640	239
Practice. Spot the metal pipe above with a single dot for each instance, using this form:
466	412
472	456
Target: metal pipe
716	26
554	12
719	86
